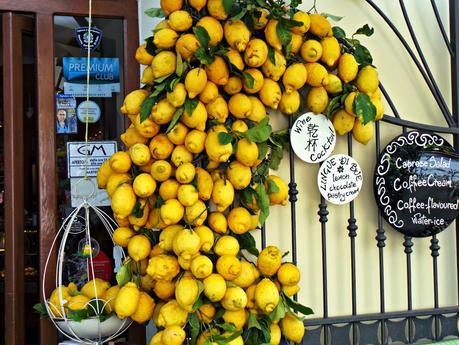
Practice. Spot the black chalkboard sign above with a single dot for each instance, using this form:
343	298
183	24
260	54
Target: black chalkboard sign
416	184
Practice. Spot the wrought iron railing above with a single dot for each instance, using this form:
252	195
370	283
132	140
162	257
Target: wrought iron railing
409	326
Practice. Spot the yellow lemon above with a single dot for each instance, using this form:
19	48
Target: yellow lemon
167	235
163	64
161	147
379	108
275	333
290	290
145	308
168	189
343	122
161	170
205	184
270	94
201	267
215	150
239	175
131	136
123	200
349	102
317	99
280	195
269	261
127	300
162	112
187	194
142	56
197	4
120	162
317	74
271	35
347	67
196	214
234	299
178	134
295	44
217	9
302	17
240	106
185	173
331	51
247	276
260	19
288	274
237	34
147	128
217	71
110	297
173	335
256	53
275	69
164	289
295	77
172	212
181	155
214	287
213	28
258	112
186	243
227	245
186	292
180	20
163	267
334	84
218	109
133	101
292	328
217	222
144	185
207	237
172	314
367	80
266	296
363	133
147	76
235	58
247	152
222	194
239	220
195	141
206	312
290	103
233	86
197	119
311	51
210	93
146	282
139	247
187	45
79	302
195	82
320	26
169	6
228	266
175	98
165	38
103	174
238	317
258	80
239	126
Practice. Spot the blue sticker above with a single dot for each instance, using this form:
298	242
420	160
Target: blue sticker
88	40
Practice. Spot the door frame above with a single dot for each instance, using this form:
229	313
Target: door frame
44	12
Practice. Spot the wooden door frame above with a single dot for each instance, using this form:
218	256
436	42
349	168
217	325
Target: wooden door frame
44	12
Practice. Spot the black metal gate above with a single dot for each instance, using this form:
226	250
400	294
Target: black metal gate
408	326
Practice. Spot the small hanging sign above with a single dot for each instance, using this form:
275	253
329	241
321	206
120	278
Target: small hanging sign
87	40
88	111
340	179
313	137
416	184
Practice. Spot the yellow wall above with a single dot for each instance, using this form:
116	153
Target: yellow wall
415	103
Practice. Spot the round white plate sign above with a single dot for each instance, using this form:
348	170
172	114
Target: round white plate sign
89	110
313	137
340	179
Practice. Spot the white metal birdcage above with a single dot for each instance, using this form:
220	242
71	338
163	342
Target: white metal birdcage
99	328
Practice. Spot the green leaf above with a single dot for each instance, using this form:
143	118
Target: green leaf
224	138
365	30
262	3
179	66
297	307
248	79
262	150
353	41
272	55
150	47
277	153
159	202
332	17
155	13
278	313
203	56
160	80
253	322
178	113
202	35
338	32
284	34
222	339
228	327
333	106
228	5
138	210
198	304
158	89
260	132
272	186
247	242
362	55
190	105
124	274
241	14
263	202
40	308
145	109
77	315
195	328
364	108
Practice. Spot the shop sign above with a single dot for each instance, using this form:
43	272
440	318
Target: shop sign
88	40
98	152
104	75
313	137
88	111
416	184
340	179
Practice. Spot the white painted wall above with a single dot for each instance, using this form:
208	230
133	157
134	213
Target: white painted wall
414	102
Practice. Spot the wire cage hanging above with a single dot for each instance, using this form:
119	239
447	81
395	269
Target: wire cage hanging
103	324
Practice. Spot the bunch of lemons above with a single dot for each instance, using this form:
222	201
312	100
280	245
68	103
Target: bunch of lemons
194	181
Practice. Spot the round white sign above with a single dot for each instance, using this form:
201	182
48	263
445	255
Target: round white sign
89	110
340	179
313	137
